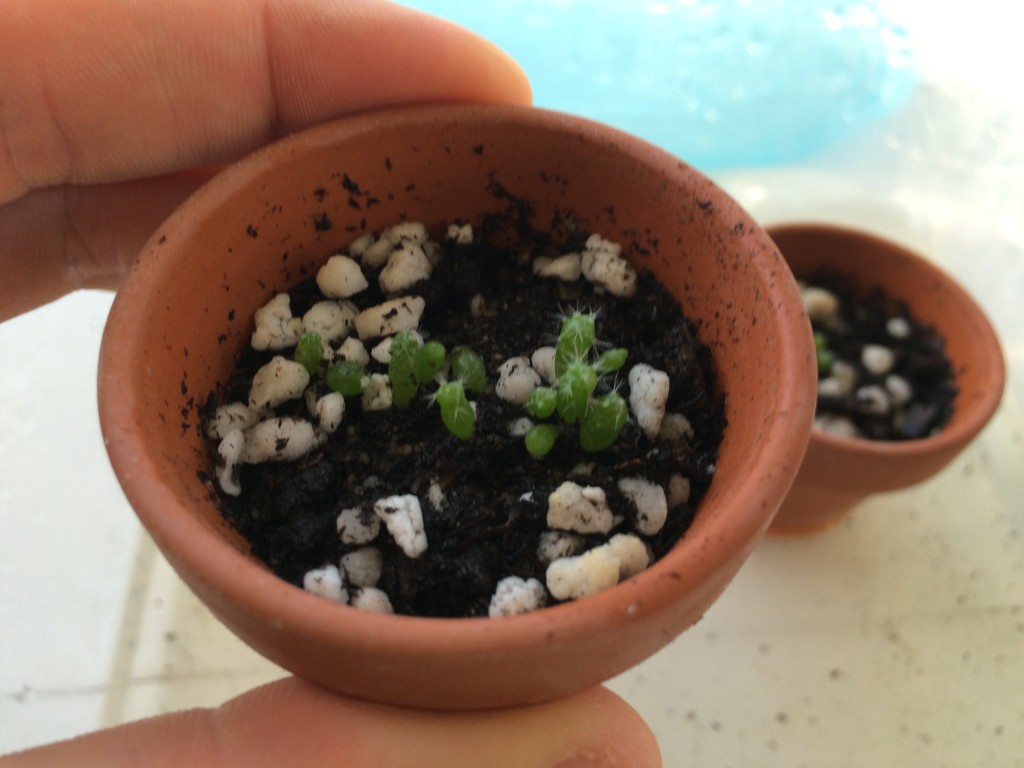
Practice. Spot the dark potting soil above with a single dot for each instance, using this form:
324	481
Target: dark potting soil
875	405
495	494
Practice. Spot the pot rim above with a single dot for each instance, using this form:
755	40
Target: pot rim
195	550
971	414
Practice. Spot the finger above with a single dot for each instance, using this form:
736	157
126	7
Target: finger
122	89
294	723
56	240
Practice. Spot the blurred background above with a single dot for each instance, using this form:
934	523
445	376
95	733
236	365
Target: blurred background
894	639
720	83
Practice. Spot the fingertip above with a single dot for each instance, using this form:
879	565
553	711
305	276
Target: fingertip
611	733
510	80
592	729
463	65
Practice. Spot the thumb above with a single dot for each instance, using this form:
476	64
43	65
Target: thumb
294	723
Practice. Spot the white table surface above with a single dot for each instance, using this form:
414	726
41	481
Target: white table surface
894	639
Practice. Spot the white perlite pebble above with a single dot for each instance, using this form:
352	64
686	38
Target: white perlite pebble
376	253
845	374
230	417
373	600
830	386
478	307
649	502
678	491
326	582
543	362
363	567
840	382
356	526
520	427
648	393
583	509
332	320
329	410
230	450
407	265
872	400
390	317
275	326
604	267
408	231
435	495
572	578
899	389
281	439
566	268
631	552
837	426
460	234
353	350
554	545
898	327
675	427
312	394
820	304
877	359
377	392
516	380
621	557
404	518
514	595
341	277
277	382
358	246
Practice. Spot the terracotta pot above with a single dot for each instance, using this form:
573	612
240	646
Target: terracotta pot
839	472
264	224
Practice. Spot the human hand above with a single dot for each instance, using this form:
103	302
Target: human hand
293	723
113	111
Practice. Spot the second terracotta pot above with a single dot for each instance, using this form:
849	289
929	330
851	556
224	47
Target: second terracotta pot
838	472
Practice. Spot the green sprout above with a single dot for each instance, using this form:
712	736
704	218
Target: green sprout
345	377
429	360
603	422
577	336
575	386
308	352
825	355
414	365
610	361
541	439
402	368
456	410
542	402
600	418
468	367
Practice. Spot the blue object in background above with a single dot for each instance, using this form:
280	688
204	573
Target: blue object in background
719	83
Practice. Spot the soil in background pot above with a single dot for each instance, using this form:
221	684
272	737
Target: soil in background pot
882	374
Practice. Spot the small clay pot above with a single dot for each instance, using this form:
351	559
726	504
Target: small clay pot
186	310
838	472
